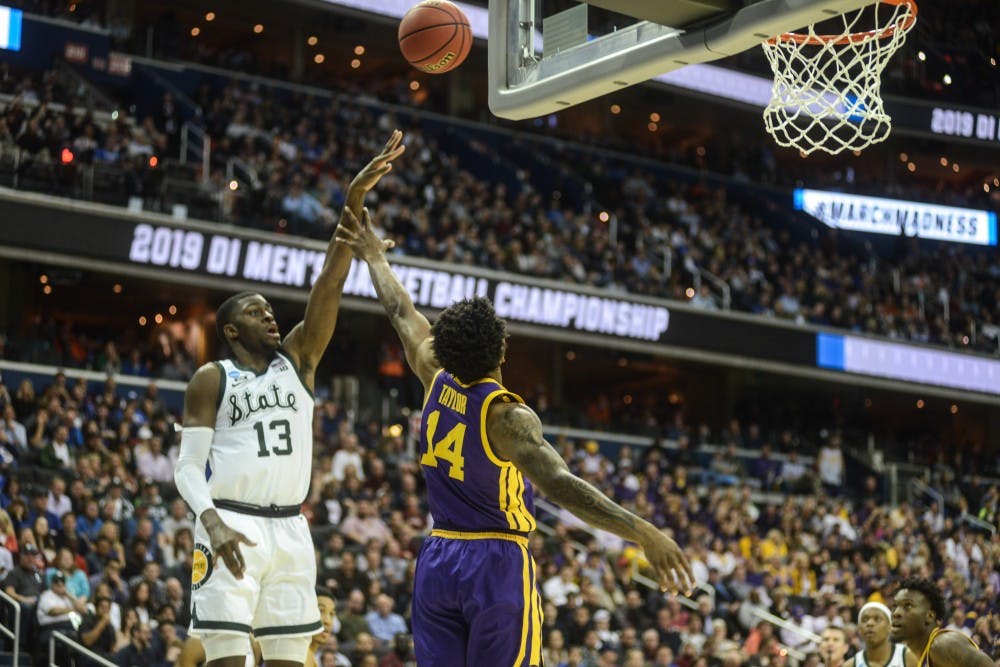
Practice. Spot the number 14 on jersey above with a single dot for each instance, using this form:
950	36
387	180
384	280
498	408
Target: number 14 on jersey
448	448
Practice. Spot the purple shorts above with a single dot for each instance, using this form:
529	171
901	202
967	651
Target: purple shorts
475	602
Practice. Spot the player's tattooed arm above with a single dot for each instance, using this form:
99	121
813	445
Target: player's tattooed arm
515	433
953	649
413	328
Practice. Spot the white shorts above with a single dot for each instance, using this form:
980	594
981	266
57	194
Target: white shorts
277	595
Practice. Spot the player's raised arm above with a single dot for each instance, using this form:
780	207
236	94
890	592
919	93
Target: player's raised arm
413	328
515	432
307	341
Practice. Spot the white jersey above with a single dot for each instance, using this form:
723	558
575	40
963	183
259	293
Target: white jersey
897	659
262	449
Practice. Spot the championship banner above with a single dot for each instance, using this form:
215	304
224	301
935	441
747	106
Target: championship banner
171	248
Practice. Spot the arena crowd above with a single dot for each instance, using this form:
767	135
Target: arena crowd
92	517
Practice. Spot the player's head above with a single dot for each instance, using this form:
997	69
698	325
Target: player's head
833	644
874	620
917	608
247	319
470	339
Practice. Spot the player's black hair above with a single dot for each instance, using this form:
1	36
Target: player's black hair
324	592
224	315
469	339
927	588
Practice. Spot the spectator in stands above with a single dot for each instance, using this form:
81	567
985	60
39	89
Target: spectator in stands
8	534
97	630
364	649
348	455
363	524
175	598
766	469
794	475
77	584
178	518
139	650
13	435
384	623
56	454
330	655
304	212
89	523
833	645
24	582
58	611
57	502
554	652
831	465
150	460
140	601
353	621
107	570
44	537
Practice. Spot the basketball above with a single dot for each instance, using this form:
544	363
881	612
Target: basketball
435	36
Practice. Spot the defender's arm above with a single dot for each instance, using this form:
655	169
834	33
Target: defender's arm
953	649
515	432
413	328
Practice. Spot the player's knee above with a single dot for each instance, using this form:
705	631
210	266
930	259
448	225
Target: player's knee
292	649
225	645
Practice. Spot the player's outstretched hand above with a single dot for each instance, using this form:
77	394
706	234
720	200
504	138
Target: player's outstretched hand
672	568
359	236
226	545
380	165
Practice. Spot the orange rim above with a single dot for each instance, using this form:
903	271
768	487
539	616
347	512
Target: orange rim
855	37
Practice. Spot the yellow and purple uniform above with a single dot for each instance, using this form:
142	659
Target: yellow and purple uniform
475	600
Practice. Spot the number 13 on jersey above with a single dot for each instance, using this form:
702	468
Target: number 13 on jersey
448	448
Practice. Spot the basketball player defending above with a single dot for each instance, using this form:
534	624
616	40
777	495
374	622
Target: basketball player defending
874	620
250	419
475	602
917	611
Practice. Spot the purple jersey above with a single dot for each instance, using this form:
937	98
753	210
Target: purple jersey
469	488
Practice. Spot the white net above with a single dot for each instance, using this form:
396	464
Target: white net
826	94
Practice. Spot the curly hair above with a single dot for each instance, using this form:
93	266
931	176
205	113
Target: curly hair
927	588
224	315
469	339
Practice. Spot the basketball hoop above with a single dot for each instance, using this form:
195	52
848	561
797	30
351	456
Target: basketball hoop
826	93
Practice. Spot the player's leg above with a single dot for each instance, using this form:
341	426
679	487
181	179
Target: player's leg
222	606
284	651
225	649
505	607
440	633
287	614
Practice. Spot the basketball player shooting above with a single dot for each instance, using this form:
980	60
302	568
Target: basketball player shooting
874	621
475	600
250	418
917	612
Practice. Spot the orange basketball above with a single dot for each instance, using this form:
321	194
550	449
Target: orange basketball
435	36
